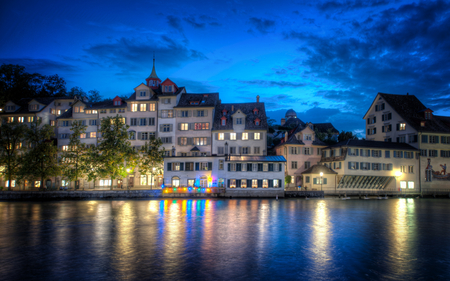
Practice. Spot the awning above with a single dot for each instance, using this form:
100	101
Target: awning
364	182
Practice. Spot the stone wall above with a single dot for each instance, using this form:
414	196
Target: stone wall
79	195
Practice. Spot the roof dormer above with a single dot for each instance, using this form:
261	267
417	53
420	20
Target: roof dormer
11	107
255	111
117	101
224	112
257	122
223	121
168	86
428	114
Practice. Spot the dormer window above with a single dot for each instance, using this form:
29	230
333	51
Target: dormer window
428	115
255	111
224	112
194	102
168	88
34	107
118	102
10	108
257	121
223	121
205	95
142	94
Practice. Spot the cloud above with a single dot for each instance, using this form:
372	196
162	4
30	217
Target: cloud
262	25
175	23
194	23
135	54
268	83
397	50
200	22
42	66
350	5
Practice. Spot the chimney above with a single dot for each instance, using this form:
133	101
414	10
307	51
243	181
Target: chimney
283	121
407	94
232	108
286	137
257	98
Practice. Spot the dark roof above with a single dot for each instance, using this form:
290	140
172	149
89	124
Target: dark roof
195	149
373	144
323	127
158	93
66	114
316	169
294	122
23	103
105	104
209	100
247	109
133	97
411	109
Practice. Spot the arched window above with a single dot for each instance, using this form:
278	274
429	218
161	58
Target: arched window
175	181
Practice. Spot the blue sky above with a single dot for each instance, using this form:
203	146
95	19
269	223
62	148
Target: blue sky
324	59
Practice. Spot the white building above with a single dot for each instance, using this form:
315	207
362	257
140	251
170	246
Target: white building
404	119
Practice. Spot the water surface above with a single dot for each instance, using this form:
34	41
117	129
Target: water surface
395	239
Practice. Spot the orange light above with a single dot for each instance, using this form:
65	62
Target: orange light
208	190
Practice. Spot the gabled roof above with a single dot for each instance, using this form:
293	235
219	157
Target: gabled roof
292	139
23	103
67	114
317	169
373	144
205	100
411	109
106	104
247	109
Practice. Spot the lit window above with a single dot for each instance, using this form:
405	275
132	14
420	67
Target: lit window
257	136
402	126
37	183
184	126
243	183
105	182
175	182
410	184
13	183
20	119
143	107
233	183
265	183
402	184
244	136
134	107
82	136
254	183
143	179
221	136
93	134
232	136
65	148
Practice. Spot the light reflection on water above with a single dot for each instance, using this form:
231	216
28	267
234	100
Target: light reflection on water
226	239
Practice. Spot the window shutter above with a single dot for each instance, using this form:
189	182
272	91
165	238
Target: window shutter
227	136
398	126
357	165
270	183
314	180
206	112
160	127
179	140
324	180
191	126
169	166
238	136
398	139
209	166
251	136
401	154
139	135
216	136
181	166
208	140
228	183
197	166
259	183
189	113
349	165
382	117
171	128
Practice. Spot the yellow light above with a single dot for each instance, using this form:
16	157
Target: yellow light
398	174
321	174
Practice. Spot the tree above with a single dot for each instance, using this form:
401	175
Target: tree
343	136
40	161
93	167
74	158
78	93
11	142
287	179
94	96
115	151
326	137
16	84
151	158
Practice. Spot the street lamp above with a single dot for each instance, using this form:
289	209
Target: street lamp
321	181
398	174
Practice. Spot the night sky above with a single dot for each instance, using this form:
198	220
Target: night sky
325	59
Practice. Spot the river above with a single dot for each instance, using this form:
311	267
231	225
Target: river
215	239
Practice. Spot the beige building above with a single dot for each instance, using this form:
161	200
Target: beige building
404	119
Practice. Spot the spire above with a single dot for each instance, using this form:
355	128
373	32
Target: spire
153	75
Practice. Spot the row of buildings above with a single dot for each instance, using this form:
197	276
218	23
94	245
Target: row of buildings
208	143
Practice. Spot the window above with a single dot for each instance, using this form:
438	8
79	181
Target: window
184	113
409	154
260	167
200	141
257	122
403	169
353	165
379	107
223	122
337	165
144	136
434	139
387	154
445	153
386	117
167	140
432	153
183	141
244	136
376	153
423	152
105	182
132	135
232	150
82	136
143	122
200	113
411	169
410	184
401	126
221	136
245	150
31	119
293	164
134	107
201	126
117	102
257	136
307	165
10	108
353	152
143	179
221	164
256	150
365	166
412	138
254	183
372	120
165	100
376	166
386	128
168	88
307	150
133	121
398	154
151	121
307	137
232	136
403	184
184	126
238	121
265	183
65	123
142	94
445	140
166	127
110	111
93	134
143	107
220	150
387	167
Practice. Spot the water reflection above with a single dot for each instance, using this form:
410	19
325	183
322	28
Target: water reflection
321	236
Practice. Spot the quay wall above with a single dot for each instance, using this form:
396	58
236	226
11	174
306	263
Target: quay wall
78	195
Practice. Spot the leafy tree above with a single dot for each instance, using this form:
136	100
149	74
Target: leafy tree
287	179
74	158
343	136
40	160
94	96
271	122
151	158
93	166
16	84
77	92
115	151
11	141
326	137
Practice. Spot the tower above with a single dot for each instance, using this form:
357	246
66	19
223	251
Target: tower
153	81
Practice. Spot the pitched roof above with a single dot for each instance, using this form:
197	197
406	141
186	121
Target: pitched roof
317	169
411	109
247	109
373	144
66	114
105	104
204	100
292	139
23	103
324	127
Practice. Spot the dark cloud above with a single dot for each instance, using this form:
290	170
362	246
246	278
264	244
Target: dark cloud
262	25
399	50
201	21
42	66
350	5
268	83
175	23
192	21
135	54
